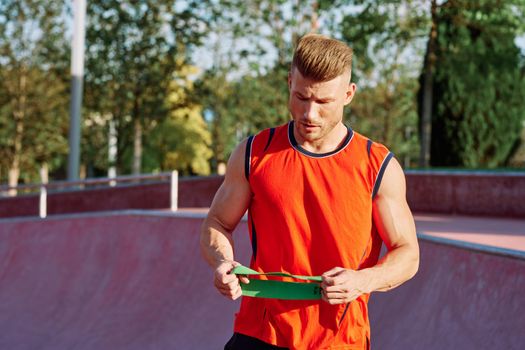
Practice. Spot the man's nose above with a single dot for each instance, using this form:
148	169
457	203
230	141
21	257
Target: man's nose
310	111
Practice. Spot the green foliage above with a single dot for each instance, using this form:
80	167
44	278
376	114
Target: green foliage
386	113
385	35
133	50
140	76
214	92
261	102
33	88
240	108
246	88
478	85
182	140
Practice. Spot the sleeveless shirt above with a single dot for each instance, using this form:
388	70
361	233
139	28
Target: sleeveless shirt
308	214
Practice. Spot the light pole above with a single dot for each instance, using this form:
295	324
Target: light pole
77	78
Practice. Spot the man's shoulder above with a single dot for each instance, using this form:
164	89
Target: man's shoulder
273	129
365	140
266	137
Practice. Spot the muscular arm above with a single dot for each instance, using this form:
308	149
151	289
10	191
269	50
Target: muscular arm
395	224
228	207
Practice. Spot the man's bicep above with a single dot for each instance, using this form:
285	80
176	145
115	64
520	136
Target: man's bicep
391	213
233	196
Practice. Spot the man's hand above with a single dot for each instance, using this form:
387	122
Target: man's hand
226	282
341	285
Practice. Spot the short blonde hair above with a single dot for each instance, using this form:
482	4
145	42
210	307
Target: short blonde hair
321	58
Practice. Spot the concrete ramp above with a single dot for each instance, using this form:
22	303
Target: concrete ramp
134	280
108	282
465	296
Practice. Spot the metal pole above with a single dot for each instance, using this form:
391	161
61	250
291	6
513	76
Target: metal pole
174	198
77	77
42	210
112	152
42	207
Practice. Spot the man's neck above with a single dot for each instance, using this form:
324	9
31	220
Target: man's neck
328	143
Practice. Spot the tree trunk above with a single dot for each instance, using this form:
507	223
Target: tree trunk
14	167
314	21
18	116
44	173
14	174
426	110
137	148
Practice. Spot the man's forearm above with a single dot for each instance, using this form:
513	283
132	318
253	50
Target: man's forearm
397	266
216	243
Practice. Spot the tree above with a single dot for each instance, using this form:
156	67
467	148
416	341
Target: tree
181	141
245	88
132	53
33	87
214	93
261	101
386	37
479	95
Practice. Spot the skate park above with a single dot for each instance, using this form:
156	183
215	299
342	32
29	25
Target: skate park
117	268
119	120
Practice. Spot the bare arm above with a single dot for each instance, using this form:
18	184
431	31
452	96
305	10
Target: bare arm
395	224
228	207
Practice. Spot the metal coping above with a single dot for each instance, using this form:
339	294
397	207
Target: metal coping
103	182
482	248
91	187
445	172
110	213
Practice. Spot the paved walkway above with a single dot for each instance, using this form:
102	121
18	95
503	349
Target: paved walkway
497	232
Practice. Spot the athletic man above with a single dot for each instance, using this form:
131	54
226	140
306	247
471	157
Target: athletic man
321	199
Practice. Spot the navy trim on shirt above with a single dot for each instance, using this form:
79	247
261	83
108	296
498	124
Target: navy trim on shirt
295	145
272	132
247	157
368	147
381	173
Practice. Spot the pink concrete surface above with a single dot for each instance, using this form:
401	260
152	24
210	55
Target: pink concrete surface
467	193
19	206
460	299
497	232
108	282
460	193
193	192
136	280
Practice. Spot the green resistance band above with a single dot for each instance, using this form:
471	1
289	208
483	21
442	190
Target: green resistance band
279	289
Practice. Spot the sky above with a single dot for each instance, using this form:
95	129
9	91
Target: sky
205	60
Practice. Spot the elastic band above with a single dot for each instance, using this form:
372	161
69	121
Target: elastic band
279	289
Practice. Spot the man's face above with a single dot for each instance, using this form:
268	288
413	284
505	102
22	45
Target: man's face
317	107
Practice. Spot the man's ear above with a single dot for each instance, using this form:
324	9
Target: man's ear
290	80
350	92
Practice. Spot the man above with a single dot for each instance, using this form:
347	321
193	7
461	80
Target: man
321	199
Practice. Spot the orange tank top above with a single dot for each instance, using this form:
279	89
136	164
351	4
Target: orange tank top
310	213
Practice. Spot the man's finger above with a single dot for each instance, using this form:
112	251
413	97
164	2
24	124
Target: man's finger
332	295
333	281
334	289
244	279
231	293
332	301
230	285
226	278
333	272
